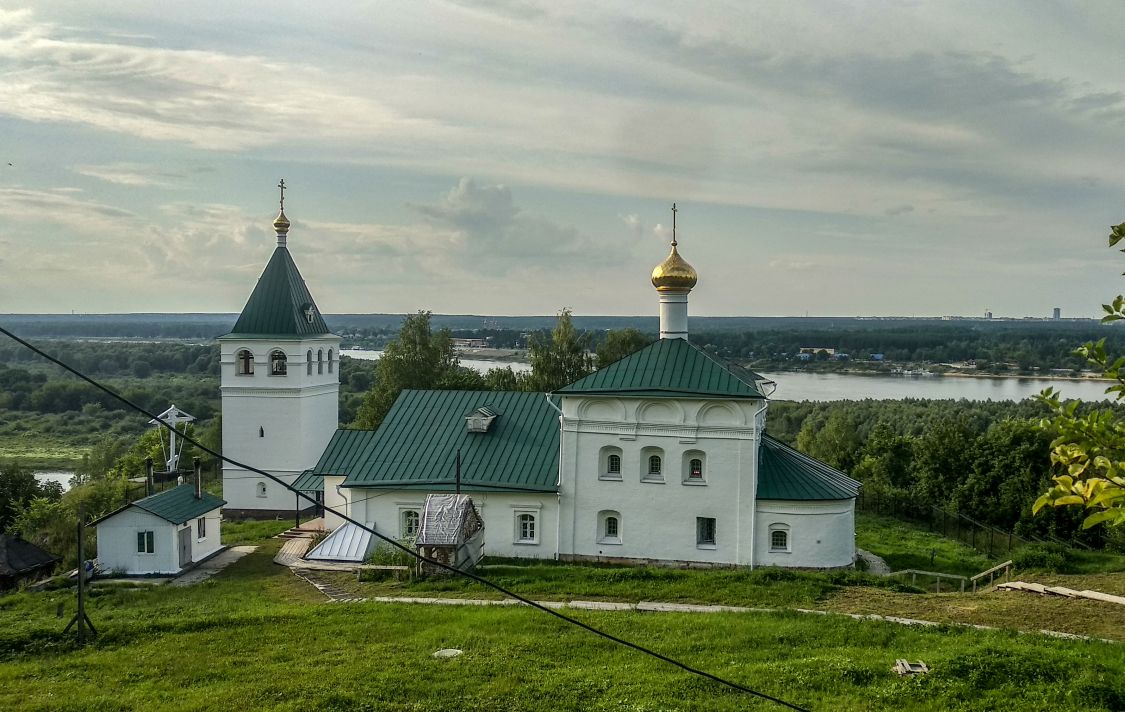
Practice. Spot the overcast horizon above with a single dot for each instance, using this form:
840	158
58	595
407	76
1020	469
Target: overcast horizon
515	158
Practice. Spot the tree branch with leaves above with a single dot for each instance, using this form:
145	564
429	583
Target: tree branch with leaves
1089	447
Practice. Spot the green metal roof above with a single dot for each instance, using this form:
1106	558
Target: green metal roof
176	505
416	446
784	473
670	368
308	481
277	306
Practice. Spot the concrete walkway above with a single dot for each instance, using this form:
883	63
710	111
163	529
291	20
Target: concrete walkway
212	566
337	595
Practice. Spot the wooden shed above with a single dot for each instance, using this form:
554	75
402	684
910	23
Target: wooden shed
451	531
21	560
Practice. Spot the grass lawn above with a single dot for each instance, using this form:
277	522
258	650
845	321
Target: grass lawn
257	637
907	546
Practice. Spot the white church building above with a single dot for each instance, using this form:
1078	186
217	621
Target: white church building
661	457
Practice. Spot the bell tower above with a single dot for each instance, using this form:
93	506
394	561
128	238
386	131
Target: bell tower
280	383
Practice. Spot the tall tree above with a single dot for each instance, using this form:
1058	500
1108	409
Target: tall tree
419	358
559	359
1089	448
618	344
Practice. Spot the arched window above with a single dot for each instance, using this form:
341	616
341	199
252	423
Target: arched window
261	489
261	432
308	363
609	463
695	467
609	527
410	519
652	464
278	363
330	360
526	530
779	538
244	363
320	361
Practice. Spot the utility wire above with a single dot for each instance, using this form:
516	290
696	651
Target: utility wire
467	574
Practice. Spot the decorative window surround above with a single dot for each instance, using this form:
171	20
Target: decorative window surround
526	528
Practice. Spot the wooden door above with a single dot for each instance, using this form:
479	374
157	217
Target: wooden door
185	546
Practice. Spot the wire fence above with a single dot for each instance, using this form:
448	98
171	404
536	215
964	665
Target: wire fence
985	538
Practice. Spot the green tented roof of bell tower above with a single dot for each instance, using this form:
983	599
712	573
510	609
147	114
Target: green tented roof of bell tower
279	306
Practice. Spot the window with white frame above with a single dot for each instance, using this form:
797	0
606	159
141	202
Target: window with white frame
308	363
694	462
609	527
705	532
527	528
609	465
261	489
319	361
201	528
652	464
779	538
330	360
146	542
409	521
279	365
244	363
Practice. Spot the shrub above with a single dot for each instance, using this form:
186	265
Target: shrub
1047	557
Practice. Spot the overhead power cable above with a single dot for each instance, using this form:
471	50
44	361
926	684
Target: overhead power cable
467	574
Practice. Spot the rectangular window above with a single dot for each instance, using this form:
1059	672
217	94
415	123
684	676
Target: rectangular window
526	530
410	523
704	531
146	542
201	528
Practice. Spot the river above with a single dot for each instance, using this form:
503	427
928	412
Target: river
799	386
62	477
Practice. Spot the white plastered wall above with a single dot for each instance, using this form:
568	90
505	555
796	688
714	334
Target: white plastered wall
821	534
117	544
658	520
280	424
211	542
498	510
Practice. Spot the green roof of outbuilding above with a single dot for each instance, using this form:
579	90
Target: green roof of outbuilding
176	505
416	446
784	473
276	308
670	368
308	481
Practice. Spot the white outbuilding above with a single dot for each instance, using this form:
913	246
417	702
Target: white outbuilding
164	533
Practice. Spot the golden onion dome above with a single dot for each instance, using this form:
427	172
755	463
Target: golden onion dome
281	223
674	274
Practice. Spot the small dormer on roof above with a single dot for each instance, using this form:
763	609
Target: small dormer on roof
480	420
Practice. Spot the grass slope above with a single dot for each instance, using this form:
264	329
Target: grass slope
907	546
257	637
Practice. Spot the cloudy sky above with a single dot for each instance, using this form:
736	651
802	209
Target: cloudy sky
512	157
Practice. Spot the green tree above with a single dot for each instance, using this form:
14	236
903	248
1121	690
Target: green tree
618	344
1089	448
504	379
885	465
559	359
418	359
18	487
